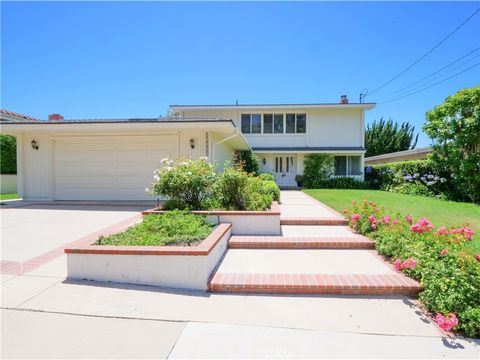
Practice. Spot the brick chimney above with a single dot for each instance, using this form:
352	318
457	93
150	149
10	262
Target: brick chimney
55	117
343	99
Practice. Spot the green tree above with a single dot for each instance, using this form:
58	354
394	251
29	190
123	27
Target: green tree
454	127
8	154
384	137
248	161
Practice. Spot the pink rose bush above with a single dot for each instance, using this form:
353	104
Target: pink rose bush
440	258
448	322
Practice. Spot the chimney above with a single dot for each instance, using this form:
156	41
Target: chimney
343	99
55	117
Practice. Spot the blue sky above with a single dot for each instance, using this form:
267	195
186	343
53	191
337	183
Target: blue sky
125	59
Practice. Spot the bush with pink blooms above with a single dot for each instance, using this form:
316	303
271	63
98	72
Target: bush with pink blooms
436	256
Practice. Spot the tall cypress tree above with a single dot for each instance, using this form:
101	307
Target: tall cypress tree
384	137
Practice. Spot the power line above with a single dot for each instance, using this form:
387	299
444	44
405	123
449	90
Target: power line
435	72
428	87
426	54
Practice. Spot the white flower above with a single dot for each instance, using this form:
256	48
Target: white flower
156	177
164	160
203	158
168	168
146	189
183	163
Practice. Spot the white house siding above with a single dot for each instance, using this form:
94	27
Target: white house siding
220	152
54	171
325	127
37	169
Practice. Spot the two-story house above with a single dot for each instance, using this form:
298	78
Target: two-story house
114	159
282	134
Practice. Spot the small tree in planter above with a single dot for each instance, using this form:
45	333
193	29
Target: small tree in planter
186	183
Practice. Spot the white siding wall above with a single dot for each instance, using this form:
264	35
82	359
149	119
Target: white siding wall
37	170
325	127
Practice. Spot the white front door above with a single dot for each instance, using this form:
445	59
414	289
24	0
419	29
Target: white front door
284	169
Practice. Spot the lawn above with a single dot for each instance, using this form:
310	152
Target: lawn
440	212
171	228
9	196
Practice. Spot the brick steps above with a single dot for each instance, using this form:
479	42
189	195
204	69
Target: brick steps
281	242
341	284
313	221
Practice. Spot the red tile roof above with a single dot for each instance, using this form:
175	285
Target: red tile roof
11	113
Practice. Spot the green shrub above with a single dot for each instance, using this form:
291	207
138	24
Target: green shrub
258	195
231	188
248	161
439	258
416	177
237	190
271	187
267	177
318	167
299	180
171	227
8	154
186	182
341	183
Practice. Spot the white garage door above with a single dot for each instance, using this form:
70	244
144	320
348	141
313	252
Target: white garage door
109	168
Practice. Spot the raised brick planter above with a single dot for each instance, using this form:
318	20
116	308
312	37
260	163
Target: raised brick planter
243	222
184	267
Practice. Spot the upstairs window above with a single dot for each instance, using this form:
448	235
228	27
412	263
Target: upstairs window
296	123
267	123
251	123
278	123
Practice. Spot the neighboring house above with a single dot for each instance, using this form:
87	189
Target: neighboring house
105	159
414	154
281	135
8	181
6	115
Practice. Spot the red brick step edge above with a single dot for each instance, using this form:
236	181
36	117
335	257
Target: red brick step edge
313	221
372	284
280	242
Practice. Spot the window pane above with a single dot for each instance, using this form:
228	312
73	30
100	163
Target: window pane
301	123
256	123
341	165
246	123
354	167
278	123
267	123
290	123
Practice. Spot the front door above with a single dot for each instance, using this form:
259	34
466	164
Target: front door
284	169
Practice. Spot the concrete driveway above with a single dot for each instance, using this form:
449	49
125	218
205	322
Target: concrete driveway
30	230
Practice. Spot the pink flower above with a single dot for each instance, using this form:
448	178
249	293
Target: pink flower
468	233
423	225
345	211
410	263
376	210
442	230
409	219
372	219
355	217
354	202
397	264
386	219
446	323
395	222
443	252
477	256
374	226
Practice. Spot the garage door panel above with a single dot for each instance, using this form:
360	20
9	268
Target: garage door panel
109	169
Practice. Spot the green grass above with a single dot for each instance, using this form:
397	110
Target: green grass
9	196
172	227
439	212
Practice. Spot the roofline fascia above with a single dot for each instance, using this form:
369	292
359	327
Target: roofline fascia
366	106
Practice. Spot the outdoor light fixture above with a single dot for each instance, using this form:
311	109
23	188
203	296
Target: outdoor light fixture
264	161
34	144
192	144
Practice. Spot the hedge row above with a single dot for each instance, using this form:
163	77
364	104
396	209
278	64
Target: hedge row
8	154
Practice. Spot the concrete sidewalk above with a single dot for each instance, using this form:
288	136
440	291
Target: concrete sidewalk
297	204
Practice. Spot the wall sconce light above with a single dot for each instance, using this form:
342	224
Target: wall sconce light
192	144
34	144
264	161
